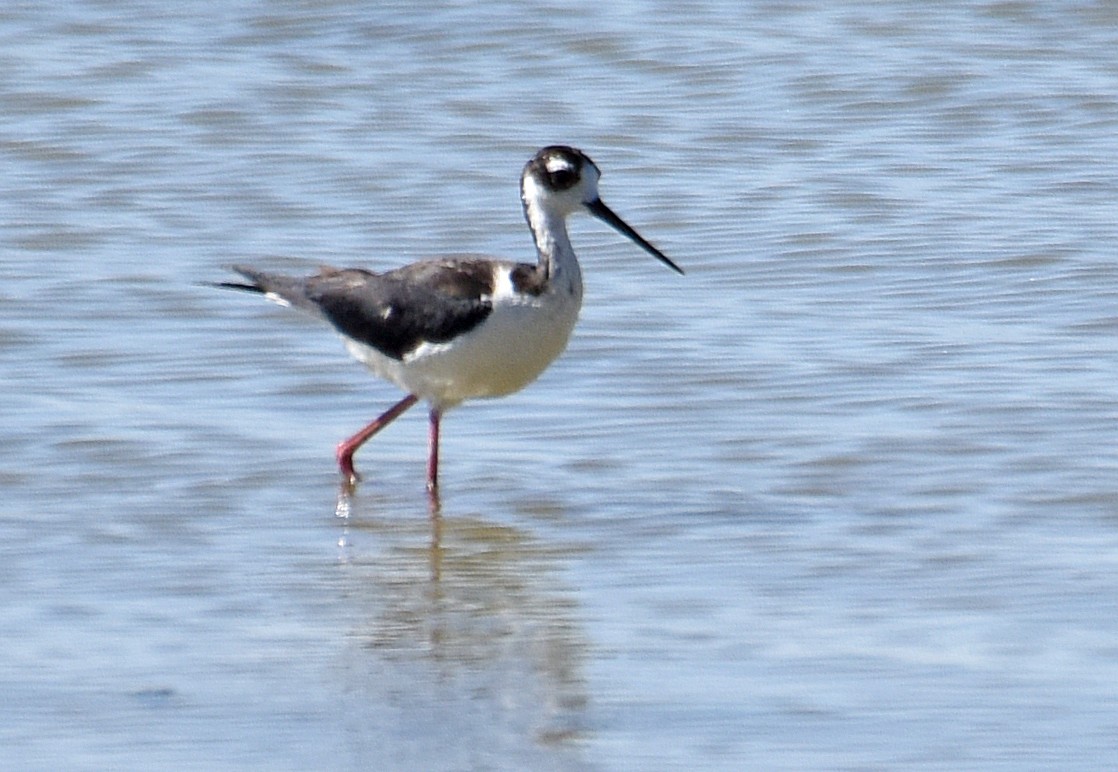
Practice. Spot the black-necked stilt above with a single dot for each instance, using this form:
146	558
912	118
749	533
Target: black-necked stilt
453	329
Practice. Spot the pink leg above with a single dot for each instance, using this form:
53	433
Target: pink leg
347	448
433	450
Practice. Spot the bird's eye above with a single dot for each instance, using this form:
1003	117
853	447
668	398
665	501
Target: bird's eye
561	179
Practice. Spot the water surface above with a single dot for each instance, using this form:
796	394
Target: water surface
841	497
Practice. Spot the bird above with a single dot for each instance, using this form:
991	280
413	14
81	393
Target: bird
446	330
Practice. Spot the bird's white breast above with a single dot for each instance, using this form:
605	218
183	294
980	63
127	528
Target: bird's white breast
513	345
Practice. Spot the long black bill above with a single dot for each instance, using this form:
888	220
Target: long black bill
606	215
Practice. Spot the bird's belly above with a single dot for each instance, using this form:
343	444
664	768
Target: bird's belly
503	354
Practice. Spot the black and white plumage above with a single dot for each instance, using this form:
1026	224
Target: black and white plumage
453	329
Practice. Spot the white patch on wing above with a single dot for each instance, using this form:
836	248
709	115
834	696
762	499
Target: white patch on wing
505	293
502	284
427	349
277	299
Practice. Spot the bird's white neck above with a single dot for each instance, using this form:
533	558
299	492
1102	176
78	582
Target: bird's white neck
557	259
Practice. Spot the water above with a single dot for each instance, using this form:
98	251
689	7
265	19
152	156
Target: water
842	497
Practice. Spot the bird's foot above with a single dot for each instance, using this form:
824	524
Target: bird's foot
350	477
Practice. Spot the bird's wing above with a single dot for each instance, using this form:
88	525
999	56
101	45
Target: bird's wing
394	312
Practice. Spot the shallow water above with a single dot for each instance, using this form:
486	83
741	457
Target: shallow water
844	496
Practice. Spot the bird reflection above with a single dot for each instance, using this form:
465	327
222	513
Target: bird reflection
463	617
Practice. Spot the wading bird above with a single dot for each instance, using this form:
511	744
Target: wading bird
448	330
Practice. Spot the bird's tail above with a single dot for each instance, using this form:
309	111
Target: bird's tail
257	281
285	290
